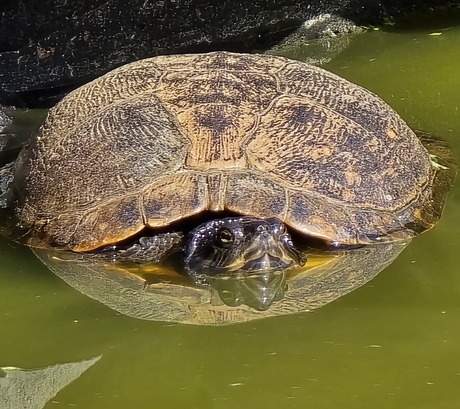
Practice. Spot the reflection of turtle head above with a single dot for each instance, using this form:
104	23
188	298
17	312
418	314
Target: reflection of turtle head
240	243
257	291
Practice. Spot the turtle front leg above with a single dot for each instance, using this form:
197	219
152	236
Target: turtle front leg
149	249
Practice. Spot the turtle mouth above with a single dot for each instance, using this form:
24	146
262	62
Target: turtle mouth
265	263
267	252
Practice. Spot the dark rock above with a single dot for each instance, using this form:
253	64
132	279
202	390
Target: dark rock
318	40
58	43
5	119
16	127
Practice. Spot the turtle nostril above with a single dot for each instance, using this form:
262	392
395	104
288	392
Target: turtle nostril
277	227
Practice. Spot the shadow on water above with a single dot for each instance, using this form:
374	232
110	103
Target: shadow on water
32	389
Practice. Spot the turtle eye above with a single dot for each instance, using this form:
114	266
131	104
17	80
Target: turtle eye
283	230
225	236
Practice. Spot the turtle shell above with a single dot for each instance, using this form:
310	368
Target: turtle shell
169	137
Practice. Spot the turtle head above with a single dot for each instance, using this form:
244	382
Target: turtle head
240	243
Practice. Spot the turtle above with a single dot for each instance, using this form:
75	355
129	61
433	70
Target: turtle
231	160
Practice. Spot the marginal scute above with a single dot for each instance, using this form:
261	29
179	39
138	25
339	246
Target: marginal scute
216	191
174	197
305	214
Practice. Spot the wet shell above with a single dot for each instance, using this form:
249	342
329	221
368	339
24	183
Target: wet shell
168	137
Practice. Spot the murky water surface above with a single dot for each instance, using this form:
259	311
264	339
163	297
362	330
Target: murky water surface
392	343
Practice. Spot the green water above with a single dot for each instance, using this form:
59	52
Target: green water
392	343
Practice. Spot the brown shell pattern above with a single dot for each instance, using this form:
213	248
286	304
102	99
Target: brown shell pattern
168	137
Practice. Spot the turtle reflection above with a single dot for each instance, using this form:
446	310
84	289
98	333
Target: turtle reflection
158	293
257	290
